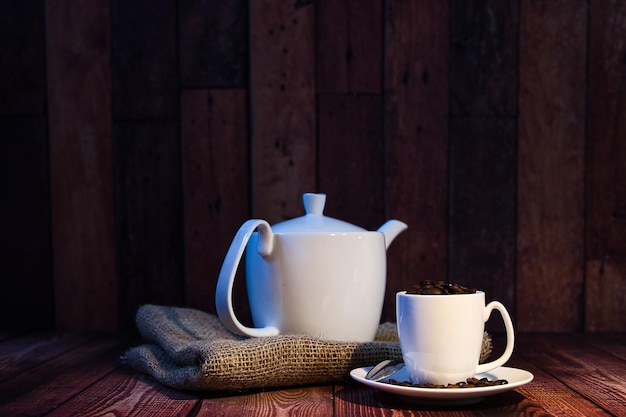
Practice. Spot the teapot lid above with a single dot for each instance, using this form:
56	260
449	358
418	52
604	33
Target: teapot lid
314	220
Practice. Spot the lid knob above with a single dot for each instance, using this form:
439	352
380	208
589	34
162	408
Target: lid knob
314	203
314	221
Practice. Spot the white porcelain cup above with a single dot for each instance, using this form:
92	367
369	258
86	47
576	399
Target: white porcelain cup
441	336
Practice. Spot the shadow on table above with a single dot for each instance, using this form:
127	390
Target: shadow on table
371	398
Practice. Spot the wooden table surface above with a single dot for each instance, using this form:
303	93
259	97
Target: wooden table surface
82	375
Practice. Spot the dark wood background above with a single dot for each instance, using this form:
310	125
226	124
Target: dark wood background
137	136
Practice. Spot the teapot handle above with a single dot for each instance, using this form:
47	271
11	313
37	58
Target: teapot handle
224	290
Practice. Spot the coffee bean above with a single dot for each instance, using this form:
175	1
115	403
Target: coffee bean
429	287
468	383
432	291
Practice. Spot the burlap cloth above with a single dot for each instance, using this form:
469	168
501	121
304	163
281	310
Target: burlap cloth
188	349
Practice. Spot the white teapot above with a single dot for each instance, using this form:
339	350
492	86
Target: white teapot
312	275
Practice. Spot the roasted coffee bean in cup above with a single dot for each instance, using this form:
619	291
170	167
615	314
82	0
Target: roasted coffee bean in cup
429	287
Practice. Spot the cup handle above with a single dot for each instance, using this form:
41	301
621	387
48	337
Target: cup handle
224	290
510	337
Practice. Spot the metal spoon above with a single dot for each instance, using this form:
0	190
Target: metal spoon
384	369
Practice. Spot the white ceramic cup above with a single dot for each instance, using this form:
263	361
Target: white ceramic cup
441	336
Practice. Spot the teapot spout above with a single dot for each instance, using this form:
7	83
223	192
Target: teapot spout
391	229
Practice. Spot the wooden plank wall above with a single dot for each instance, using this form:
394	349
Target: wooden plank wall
137	136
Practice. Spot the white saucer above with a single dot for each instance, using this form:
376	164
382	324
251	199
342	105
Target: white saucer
447	396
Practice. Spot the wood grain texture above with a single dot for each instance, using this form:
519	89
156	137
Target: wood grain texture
215	185
556	398
21	352
484	58
306	401
351	158
349	57
144	55
149	222
574	375
81	164
580	366
128	394
483	148
23	69
416	137
605	252
605	296
213	43
59	378
282	94
551	165
482	236
612	343
606	147
447	82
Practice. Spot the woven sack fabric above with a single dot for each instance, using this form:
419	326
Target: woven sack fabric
191	350
188	349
